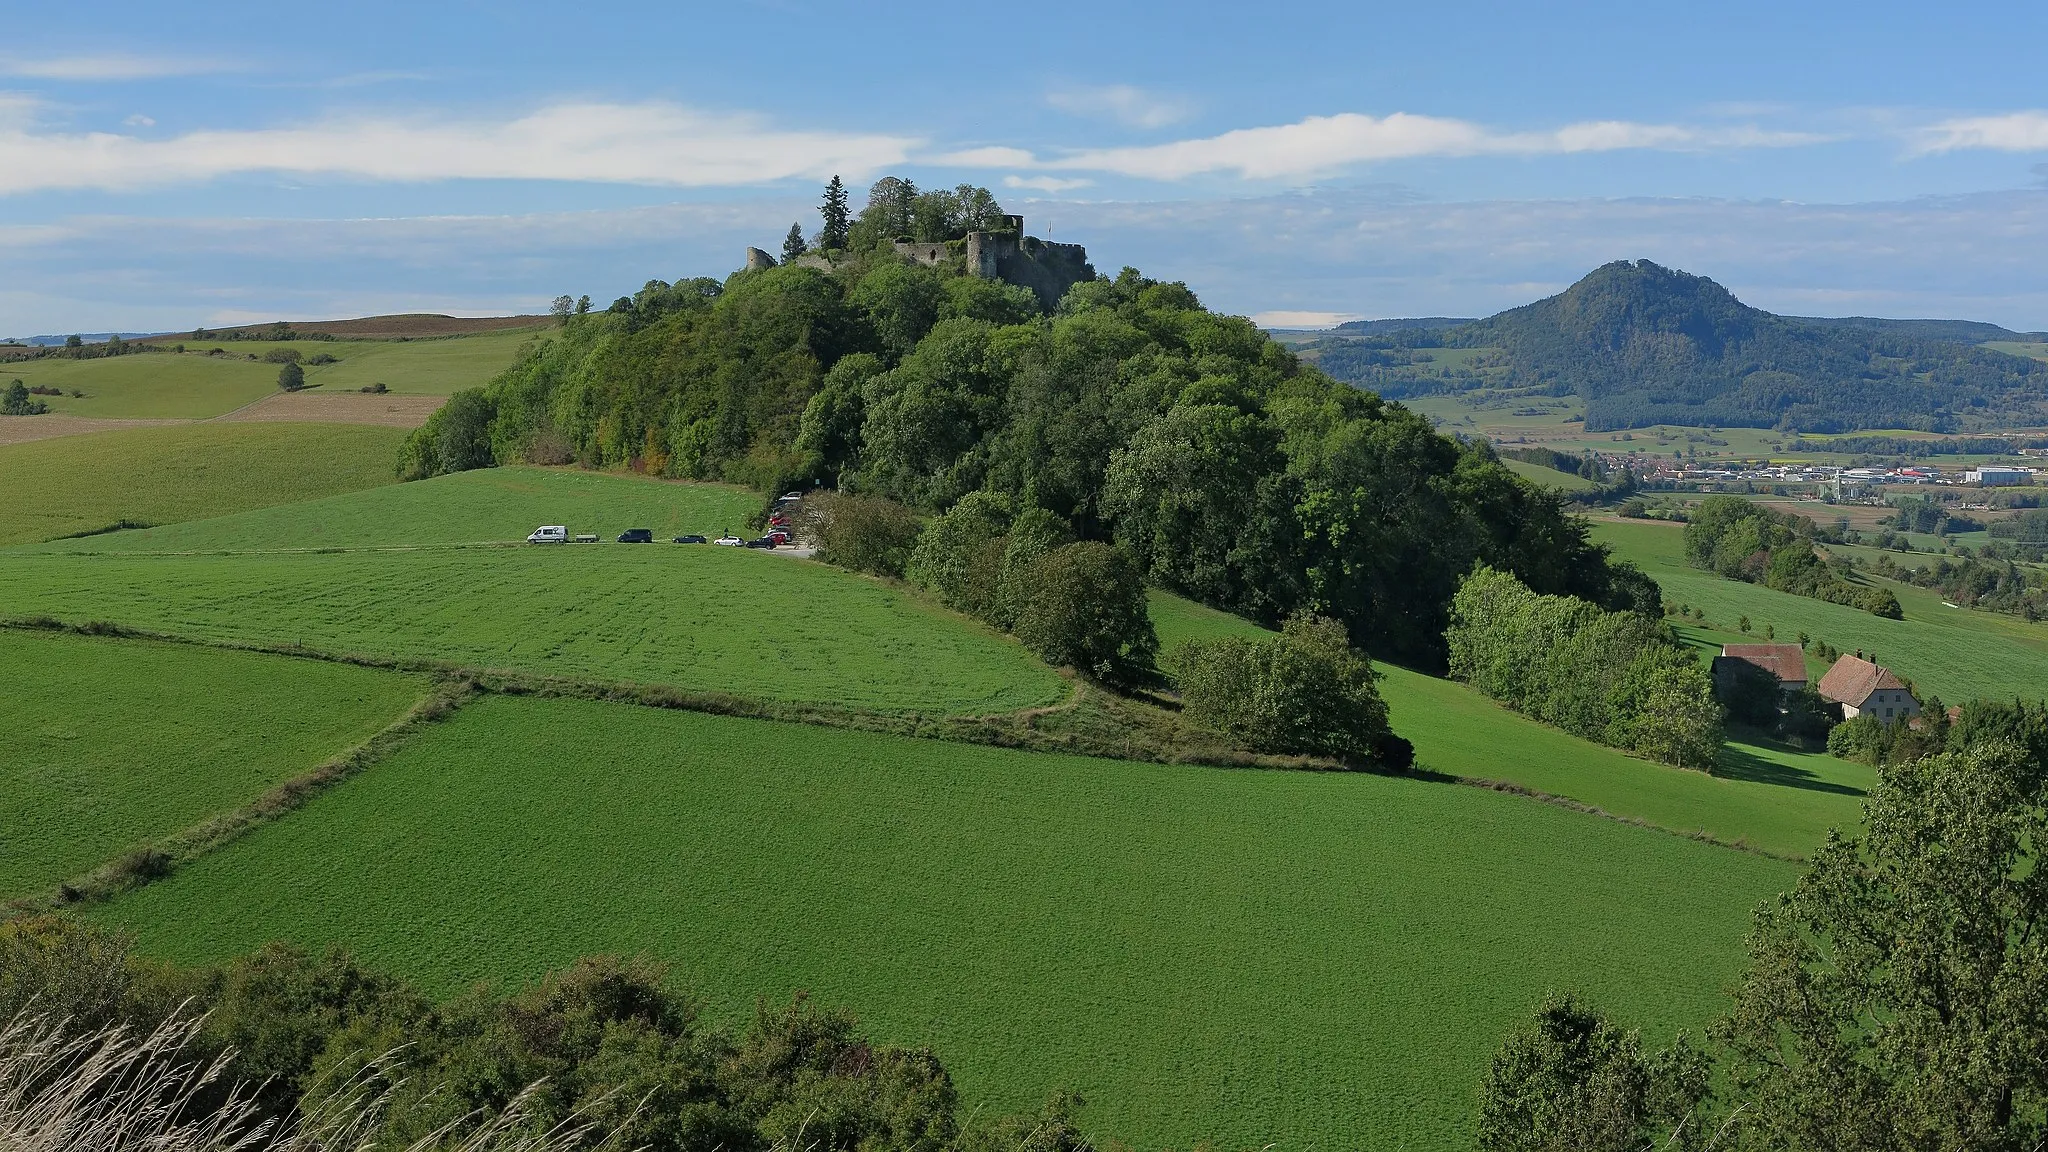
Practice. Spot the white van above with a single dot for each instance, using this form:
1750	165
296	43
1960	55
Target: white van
549	534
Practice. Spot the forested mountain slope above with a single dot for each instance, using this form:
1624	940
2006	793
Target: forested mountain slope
1643	344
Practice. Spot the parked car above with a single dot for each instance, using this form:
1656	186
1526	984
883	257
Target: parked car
690	540
549	534
637	536
763	542
778	536
586	537
792	495
729	541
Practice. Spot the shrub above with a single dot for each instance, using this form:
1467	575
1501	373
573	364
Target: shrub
1573	1081
377	389
15	402
284	356
323	358
960	555
291	377
1084	605
862	533
1304	691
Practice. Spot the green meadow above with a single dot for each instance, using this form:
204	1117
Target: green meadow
194	385
1765	796
175	472
112	743
488	505
1953	653
695	617
1315	960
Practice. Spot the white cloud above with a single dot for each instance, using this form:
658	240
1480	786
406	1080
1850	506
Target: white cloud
112	66
2011	132
657	144
139	121
1323	144
1122	103
1051	184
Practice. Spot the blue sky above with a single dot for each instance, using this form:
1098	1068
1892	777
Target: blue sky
165	166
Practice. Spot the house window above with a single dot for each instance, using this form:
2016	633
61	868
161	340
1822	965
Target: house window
1887	713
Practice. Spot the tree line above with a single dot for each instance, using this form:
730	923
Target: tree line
1745	541
1222	467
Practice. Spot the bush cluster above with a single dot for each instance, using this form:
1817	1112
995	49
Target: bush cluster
1079	604
1616	677
1304	691
608	1040
15	402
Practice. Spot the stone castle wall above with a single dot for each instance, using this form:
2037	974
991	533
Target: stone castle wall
1048	269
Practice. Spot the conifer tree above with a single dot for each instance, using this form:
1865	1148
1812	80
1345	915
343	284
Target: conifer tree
833	237
793	244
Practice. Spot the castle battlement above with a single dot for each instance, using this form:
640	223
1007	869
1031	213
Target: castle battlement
1005	254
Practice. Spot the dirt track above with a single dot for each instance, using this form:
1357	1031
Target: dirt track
22	429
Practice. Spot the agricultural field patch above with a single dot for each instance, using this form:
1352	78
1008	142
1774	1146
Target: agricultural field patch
1953	653
114	743
194	385
1549	478
1314	959
1776	799
697	617
486	505
169	473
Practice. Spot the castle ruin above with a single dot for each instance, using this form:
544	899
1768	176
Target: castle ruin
1005	254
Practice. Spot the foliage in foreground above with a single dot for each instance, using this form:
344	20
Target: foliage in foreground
333	1055
1615	677
1303	691
1895	1000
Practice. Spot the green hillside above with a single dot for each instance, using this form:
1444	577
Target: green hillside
702	618
111	744
498	504
1950	652
1317	960
171	473
1771	798
194	385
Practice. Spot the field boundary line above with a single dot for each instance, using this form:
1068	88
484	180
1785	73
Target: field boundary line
1012	730
155	860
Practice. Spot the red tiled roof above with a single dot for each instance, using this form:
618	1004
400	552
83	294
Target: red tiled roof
1852	680
1785	661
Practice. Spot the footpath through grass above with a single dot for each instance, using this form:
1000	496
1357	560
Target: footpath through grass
1313	959
1954	653
171	473
489	504
195	386
114	743
1768	797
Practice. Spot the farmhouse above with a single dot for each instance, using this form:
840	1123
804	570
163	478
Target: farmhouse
1786	663
1864	688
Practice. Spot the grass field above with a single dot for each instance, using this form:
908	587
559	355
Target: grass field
489	504
111	743
1950	652
194	386
701	618
1543	477
1319	960
171	473
1777	799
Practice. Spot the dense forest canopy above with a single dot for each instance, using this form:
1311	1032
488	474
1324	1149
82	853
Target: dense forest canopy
1643	345
1229	470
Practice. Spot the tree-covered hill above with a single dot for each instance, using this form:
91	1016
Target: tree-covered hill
1643	344
1225	467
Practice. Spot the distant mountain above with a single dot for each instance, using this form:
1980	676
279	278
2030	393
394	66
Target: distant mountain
1412	324
1961	331
1641	344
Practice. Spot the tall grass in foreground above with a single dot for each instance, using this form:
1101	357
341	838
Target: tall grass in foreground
121	1089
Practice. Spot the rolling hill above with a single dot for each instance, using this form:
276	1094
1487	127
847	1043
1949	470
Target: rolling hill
1641	345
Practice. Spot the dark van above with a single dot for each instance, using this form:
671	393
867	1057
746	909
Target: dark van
637	536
